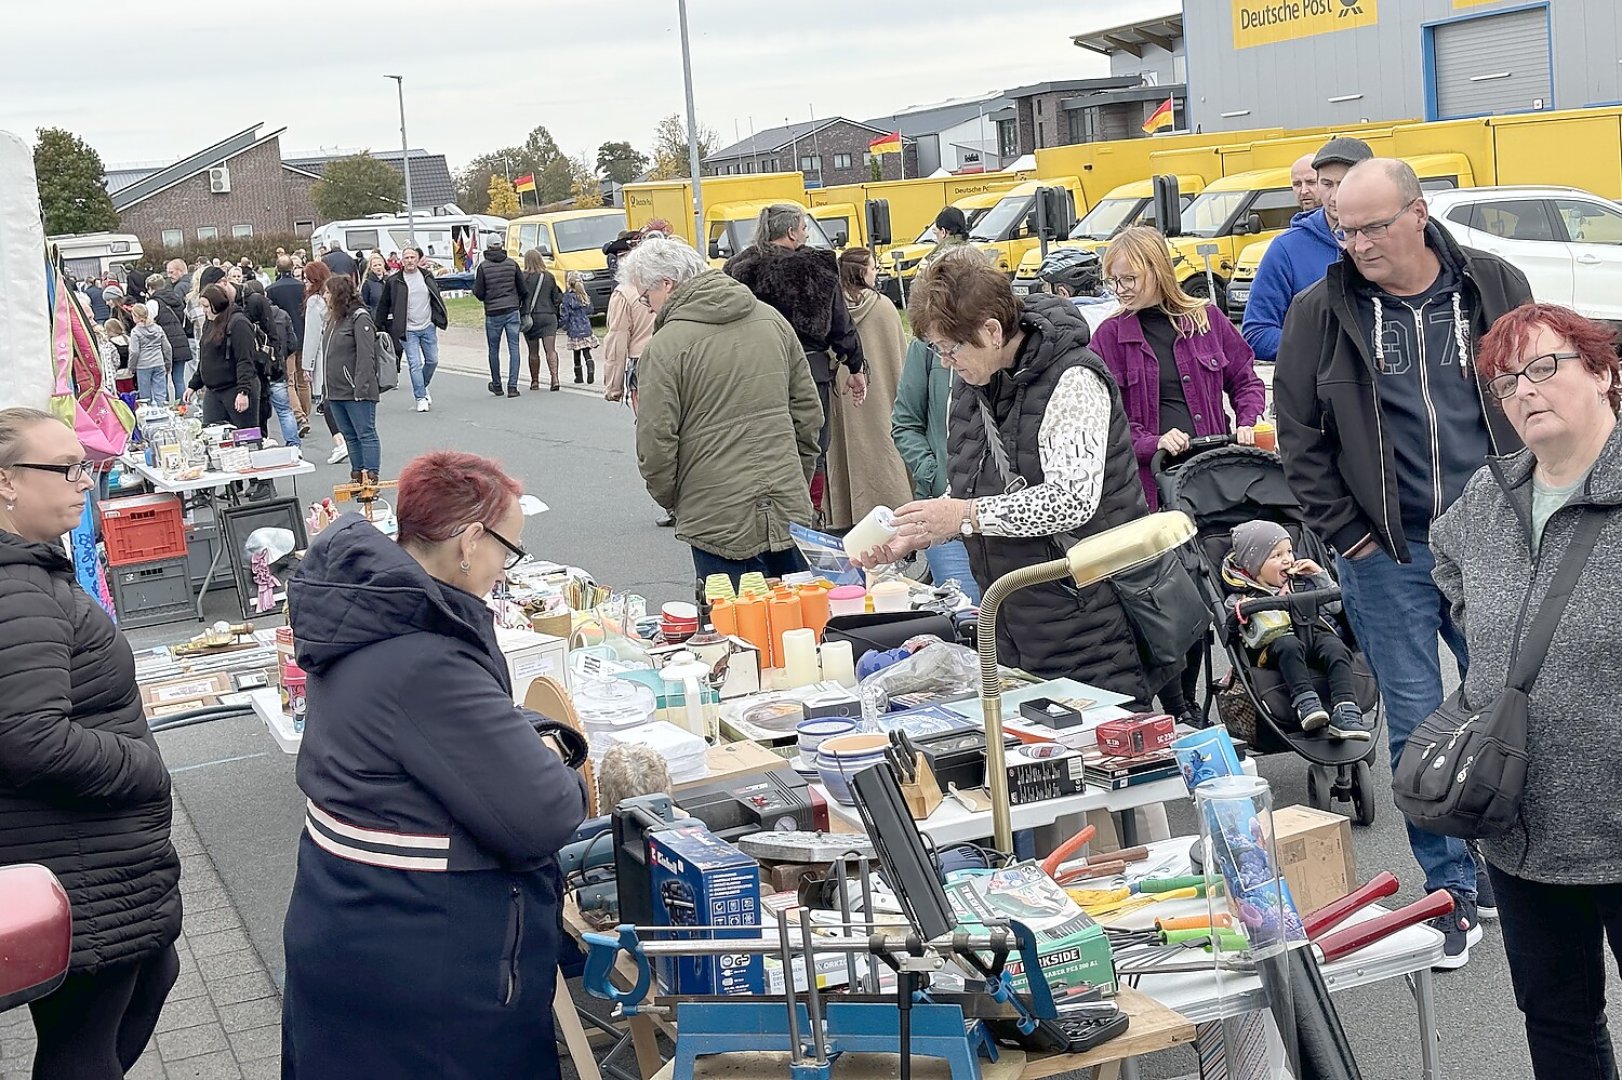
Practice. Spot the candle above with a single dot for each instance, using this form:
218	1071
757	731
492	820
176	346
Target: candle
878	527
800	657
838	663
783	615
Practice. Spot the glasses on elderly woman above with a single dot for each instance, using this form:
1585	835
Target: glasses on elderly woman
1536	370
515	555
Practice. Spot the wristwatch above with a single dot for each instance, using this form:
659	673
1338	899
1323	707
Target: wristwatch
966	526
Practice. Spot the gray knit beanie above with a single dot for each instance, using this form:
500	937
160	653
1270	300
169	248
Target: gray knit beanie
1254	541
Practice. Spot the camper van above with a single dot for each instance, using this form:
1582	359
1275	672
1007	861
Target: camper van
391	234
98	254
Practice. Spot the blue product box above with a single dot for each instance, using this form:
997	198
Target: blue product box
698	879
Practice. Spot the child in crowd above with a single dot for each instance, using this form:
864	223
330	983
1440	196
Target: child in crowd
115	357
575	314
1262	564
150	356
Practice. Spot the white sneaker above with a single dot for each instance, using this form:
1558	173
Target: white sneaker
422	405
339	453
428	397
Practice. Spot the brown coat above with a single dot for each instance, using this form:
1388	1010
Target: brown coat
630	326
864	467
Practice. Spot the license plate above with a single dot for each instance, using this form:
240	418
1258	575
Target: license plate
1022	290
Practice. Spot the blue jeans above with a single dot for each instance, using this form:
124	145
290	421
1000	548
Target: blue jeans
494	327
152	384
951	560
1397	612
770	563
357	422
178	374
422	357
282	405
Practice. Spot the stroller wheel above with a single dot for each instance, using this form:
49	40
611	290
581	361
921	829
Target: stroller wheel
1320	786
1363	795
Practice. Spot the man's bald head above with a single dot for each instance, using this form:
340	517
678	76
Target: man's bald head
1304	182
1391	176
176	269
1382	210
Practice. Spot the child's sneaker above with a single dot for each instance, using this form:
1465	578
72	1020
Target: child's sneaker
1310	709
1348	722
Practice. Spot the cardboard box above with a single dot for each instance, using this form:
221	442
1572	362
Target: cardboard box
698	879
1071	947
530	656
1315	853
1136	735
197	690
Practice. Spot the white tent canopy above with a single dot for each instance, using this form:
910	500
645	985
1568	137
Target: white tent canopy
25	325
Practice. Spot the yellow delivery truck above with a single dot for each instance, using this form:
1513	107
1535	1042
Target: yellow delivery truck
732	205
1128	205
571	240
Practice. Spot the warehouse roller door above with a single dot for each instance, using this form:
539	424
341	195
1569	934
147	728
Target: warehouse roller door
1490	64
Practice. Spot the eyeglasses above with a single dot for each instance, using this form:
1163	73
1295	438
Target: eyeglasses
1536	370
643	297
71	473
948	356
1129	282
517	555
1373	231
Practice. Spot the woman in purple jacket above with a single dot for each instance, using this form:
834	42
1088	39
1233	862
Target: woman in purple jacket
1174	356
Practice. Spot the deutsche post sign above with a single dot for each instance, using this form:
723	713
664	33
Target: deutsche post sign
1264	22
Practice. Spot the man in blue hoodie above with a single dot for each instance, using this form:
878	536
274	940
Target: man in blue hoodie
1298	257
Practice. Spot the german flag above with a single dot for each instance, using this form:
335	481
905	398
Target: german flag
886	144
1163	117
527	183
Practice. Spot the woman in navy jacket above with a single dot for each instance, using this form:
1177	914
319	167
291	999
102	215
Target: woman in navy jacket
422	934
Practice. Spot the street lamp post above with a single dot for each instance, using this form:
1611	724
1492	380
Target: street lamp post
692	132
405	160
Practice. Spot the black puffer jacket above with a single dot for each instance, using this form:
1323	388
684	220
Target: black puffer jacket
803	285
498	283
83	789
1049	630
172	320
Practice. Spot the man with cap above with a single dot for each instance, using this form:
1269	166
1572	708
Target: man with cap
1298	257
1381	421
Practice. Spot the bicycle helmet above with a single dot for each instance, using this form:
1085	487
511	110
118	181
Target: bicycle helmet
1076	269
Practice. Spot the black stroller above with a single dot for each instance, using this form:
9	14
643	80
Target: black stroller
1221	485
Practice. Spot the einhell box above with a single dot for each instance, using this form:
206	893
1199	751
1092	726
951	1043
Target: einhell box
1315	854
698	879
1070	946
1140	733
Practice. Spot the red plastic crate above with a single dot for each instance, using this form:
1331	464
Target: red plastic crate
143	528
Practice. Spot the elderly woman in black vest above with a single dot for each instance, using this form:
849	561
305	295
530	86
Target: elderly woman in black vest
1038	455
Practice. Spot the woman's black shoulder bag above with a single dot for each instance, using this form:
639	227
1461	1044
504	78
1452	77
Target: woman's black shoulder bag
1464	769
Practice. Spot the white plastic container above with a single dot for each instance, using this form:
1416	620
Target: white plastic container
878	527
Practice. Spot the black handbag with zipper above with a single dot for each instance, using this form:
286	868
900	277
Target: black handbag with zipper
1463	771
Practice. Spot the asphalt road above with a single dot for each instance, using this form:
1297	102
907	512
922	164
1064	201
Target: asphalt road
575	451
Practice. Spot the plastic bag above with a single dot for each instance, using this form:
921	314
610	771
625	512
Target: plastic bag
935	667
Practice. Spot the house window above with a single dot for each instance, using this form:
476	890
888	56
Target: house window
841	161
811	163
173	238
1008	138
1038	106
1083	124
207	232
303	228
239	232
749	166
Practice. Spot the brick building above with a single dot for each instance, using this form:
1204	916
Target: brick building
242	186
828	152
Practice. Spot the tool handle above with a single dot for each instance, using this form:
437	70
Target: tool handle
1231	940
1169	884
1335	912
1092	871
1341	942
1222	920
1050	865
1131	854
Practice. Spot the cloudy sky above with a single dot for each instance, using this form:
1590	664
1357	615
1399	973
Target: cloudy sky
148	83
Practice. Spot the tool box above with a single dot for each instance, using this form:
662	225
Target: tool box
698	879
1072	947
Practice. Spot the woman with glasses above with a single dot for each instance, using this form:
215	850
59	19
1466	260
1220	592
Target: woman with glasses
422	933
1557	873
83	788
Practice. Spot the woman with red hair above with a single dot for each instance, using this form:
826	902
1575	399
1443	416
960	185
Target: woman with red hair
422	933
1557	873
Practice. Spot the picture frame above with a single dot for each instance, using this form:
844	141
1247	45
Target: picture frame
237	523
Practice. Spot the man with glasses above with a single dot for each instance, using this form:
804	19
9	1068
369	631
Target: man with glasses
1299	257
1381	421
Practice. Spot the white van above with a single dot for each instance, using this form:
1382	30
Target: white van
98	254
391	234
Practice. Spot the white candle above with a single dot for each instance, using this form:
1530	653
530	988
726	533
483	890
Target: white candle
800	657
878	527
838	664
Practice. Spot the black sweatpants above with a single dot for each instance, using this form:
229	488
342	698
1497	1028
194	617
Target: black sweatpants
218	408
96	1026
1295	656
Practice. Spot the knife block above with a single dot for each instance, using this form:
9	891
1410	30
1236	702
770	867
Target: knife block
924	794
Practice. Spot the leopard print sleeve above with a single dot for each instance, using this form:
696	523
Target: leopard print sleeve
1071	444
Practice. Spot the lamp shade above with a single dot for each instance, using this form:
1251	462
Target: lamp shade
1128	546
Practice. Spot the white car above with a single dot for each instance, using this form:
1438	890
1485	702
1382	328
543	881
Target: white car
1568	242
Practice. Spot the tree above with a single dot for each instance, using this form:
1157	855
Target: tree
71	194
539	154
585	189
876	167
503	199
670	161
355	186
620	162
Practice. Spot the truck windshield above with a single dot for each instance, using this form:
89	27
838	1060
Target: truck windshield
1003	220
1106	219
588	233
733	236
971	216
1207	214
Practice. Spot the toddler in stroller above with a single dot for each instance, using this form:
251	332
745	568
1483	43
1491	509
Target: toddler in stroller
1262	564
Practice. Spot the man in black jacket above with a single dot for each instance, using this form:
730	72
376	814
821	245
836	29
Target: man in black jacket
412	312
1381	421
287	293
499	285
